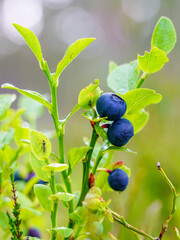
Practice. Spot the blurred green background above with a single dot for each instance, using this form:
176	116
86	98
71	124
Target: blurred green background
122	29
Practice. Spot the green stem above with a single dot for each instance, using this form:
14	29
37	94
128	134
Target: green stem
98	159
175	195
55	206
86	167
177	233
141	80
122	221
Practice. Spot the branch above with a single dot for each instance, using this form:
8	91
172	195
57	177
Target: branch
175	195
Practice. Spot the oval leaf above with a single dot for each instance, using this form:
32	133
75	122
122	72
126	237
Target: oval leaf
152	61
79	215
42	193
55	167
138	99
63	231
6	137
164	35
71	53
40	145
124	77
65	197
37	168
31	40
31	94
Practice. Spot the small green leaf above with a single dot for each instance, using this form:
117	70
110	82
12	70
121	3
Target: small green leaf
78	216
63	231
31	41
37	168
43	192
89	95
164	35
6	137
71	53
112	66
40	145
124	77
90	116
55	167
138	99
75	155
138	120
5	102
65	197
100	131
31	94
114	148
152	61
24	200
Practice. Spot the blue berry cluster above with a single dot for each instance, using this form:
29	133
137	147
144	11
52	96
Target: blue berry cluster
120	131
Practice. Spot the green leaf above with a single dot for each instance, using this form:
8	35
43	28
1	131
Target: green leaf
63	231
31	94
24	200
6	137
71	53
43	192
37	168
164	35
100	131
40	145
65	197
90	116
55	167
138	120
89	95
112	66
152	61
114	148
124	77
75	155
78	216
138	99
5	102
31	41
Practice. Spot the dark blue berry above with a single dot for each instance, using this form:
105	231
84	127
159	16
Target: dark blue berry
120	132
118	180
32	232
111	105
17	176
31	175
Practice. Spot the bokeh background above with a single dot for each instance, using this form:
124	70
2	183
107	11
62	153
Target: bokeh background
122	29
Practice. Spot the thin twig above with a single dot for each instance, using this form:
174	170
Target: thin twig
175	195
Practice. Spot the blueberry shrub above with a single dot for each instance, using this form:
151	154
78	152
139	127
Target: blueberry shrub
42	184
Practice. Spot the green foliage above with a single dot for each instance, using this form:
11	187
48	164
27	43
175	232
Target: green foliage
42	193
31	41
40	145
124	77
89	95
152	61
54	167
79	216
71	53
138	99
6	137
37	168
65	197
63	231
5	102
28	93
164	35
76	155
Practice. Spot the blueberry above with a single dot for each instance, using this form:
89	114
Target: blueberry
118	180
32	232
17	176
120	132
111	105
31	175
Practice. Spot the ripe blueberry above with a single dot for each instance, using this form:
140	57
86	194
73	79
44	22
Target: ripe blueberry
120	132
111	105
32	232
118	180
17	176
